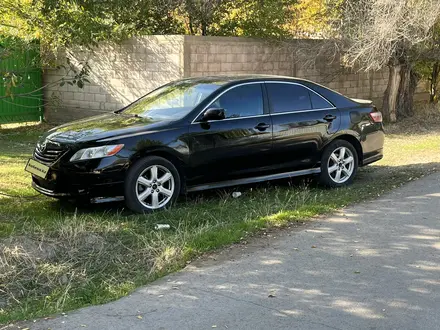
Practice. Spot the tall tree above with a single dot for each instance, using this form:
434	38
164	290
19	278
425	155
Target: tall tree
428	63
53	25
255	18
199	15
311	19
393	33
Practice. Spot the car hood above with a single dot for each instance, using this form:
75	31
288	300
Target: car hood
102	127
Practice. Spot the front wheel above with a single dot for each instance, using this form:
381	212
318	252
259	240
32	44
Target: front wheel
339	163
152	183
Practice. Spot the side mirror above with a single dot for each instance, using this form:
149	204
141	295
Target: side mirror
214	114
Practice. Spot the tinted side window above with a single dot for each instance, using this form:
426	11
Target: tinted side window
288	97
318	102
242	101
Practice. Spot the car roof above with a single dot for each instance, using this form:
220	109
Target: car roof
337	99
240	78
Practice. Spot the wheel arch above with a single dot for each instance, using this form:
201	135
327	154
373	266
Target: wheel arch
169	155
354	141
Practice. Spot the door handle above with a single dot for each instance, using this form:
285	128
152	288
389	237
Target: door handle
329	118
262	126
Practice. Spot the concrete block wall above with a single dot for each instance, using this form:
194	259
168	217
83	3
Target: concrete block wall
119	75
122	73
233	55
226	55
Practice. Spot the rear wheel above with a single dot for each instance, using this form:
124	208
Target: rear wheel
339	163
152	183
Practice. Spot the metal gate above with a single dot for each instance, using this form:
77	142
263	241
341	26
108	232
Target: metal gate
25	103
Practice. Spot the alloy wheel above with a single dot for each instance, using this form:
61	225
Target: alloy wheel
155	187
341	165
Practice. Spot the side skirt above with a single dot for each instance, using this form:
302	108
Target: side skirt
262	178
100	200
372	159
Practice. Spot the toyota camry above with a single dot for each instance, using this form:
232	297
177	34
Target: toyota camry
206	133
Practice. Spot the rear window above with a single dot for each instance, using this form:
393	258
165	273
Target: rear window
288	97
318	102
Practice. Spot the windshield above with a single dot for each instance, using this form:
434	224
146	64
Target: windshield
173	101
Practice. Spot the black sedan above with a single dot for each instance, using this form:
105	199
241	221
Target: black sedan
210	132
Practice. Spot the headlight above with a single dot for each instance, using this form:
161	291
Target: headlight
96	152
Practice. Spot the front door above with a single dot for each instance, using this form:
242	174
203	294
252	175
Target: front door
302	123
237	145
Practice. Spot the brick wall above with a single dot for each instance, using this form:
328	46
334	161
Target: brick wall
122	73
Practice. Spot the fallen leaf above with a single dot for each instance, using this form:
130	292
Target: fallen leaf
313	246
214	326
83	325
139	317
357	272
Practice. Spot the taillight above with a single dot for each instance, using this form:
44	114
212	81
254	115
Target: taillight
376	116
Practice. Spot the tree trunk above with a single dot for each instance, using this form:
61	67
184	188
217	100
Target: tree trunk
399	96
391	94
434	82
204	28
191	28
407	88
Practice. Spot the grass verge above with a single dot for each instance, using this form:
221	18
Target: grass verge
55	257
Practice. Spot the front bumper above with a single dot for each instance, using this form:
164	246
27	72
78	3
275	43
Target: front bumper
92	191
48	192
97	178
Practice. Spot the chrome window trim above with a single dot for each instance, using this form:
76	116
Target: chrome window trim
308	88
265	114
300	111
227	90
213	121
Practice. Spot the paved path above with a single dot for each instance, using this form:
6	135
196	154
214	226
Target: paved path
372	266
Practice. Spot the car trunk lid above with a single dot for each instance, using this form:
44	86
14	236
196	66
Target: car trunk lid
362	101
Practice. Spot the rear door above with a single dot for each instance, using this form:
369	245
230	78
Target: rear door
237	145
302	123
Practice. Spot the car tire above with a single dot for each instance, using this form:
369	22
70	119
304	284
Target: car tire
337	171
151	184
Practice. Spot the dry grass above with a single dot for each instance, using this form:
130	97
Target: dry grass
74	253
55	257
425	121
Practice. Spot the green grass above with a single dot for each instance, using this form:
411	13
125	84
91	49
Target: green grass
56	257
